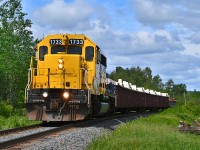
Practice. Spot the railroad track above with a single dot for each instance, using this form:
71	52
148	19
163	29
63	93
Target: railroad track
18	142
20	129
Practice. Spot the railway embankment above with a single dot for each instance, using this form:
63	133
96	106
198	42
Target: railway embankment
158	131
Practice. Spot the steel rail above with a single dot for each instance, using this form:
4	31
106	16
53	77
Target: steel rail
17	141
13	130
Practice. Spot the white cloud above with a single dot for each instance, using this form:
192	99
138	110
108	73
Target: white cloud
136	43
160	13
62	15
154	12
192	48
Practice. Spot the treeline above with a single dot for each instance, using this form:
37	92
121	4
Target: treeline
145	78
16	47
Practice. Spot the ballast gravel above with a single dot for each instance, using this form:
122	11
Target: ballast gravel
79	138
23	133
76	139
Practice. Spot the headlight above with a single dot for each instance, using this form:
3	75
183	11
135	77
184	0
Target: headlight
60	66
66	95
60	61
45	94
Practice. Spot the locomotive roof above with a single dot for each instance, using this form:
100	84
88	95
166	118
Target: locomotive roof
69	36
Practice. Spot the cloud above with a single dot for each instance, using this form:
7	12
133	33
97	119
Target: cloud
157	13
62	15
137	43
194	38
77	16
148	12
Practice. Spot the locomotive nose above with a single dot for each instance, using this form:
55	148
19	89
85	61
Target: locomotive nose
64	71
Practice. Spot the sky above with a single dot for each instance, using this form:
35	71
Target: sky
163	35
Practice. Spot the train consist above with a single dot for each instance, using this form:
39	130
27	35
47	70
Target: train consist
67	82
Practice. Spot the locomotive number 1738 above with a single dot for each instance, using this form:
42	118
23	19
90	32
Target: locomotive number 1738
55	41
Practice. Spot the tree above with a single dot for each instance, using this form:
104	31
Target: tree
157	83
179	89
16	44
168	86
138	76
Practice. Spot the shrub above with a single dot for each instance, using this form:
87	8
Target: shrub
5	109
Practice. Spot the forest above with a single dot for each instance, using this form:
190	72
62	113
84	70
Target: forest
17	46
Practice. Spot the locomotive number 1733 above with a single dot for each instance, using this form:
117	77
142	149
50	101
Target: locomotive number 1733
76	42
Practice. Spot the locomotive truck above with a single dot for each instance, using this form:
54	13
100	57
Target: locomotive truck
67	82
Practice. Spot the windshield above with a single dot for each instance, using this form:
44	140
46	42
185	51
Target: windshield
70	50
58	48
74	50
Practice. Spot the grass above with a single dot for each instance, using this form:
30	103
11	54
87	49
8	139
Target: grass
12	118
158	131
14	122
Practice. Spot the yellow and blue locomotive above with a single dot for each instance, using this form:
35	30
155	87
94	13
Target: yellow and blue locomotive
67	80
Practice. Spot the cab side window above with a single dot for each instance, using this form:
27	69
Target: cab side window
43	50
89	53
103	60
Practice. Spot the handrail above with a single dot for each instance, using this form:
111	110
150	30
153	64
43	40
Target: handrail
29	79
85	80
28	84
31	63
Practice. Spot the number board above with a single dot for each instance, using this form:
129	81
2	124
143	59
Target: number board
55	41
76	42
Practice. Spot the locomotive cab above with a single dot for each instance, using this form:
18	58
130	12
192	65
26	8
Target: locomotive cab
67	81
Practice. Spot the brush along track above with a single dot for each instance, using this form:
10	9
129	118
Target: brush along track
20	129
18	143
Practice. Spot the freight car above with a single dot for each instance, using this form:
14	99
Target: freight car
67	82
128	97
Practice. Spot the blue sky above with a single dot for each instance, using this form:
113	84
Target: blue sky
161	34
